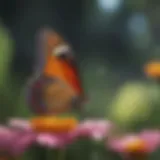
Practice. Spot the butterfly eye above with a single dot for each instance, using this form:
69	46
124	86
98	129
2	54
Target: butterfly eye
61	50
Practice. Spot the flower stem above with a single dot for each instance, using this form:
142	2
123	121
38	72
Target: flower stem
61	154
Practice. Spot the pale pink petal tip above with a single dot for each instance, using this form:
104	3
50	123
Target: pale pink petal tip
95	129
48	140
19	124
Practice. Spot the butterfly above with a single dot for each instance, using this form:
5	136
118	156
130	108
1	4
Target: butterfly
55	86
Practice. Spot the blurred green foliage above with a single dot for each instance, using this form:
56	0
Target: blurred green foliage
136	4
12	104
6	48
136	105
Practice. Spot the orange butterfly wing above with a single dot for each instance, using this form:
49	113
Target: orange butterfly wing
58	84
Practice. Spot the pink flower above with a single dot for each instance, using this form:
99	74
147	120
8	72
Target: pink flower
142	143
95	129
50	140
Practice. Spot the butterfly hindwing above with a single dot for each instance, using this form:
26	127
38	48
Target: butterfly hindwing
48	95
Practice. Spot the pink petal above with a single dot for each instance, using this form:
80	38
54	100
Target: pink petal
6	137
115	145
22	142
48	140
152	138
20	124
96	129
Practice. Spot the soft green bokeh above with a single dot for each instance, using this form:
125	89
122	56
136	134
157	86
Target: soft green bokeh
136	4
6	81
22	109
97	84
6	49
133	103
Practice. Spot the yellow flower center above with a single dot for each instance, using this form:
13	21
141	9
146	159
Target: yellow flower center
53	124
136	146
